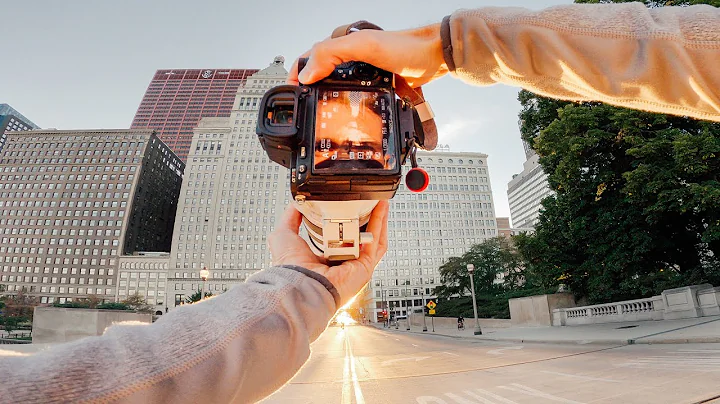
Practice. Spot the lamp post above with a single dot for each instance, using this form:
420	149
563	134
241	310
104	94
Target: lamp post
409	307
204	274
471	269
422	295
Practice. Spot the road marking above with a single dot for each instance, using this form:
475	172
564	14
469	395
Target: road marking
411	358
519	388
359	399
491	398
597	379
479	398
500	351
350	379
697	360
414	345
451	354
397	339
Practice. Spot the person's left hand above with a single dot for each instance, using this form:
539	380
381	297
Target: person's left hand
288	248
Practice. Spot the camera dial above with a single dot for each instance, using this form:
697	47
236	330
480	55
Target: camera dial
364	71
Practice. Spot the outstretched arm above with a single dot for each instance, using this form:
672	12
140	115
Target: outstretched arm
236	347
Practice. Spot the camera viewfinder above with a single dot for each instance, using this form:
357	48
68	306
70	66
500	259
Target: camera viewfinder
281	113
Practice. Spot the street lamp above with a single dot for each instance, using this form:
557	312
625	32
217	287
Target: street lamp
422	295
204	275
407	312
471	269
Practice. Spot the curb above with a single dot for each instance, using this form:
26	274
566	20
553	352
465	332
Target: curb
631	341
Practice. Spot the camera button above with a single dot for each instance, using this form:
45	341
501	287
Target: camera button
303	152
302	168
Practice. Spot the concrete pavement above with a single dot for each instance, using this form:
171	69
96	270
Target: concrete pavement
694	330
369	365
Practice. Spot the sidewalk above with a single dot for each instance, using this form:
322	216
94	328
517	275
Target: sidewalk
695	330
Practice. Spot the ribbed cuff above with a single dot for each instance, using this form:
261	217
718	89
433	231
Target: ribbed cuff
446	40
323	281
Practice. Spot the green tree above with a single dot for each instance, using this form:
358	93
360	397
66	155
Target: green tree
636	197
137	303
490	258
10	324
197	296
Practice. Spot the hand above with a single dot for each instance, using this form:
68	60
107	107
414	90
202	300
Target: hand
288	248
414	54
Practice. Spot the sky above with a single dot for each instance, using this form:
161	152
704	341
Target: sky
85	64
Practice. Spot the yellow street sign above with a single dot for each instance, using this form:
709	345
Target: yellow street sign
432	312
431	305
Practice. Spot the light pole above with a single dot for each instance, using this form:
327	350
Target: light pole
409	307
471	269
204	274
422	295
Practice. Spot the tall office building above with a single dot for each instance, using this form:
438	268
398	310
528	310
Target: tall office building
12	120
176	100
455	212
73	202
526	192
231	196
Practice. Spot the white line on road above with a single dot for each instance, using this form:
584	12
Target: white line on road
597	379
410	358
500	351
414	345
519	388
350	379
451	354
397	339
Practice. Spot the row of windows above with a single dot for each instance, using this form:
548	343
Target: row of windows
59	260
143	275
63	177
38	168
65	270
62	280
48	222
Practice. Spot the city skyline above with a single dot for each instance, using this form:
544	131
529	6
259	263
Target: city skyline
92	85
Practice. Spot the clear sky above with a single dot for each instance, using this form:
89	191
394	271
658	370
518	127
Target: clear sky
85	64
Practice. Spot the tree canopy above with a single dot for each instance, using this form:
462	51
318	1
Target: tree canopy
636	200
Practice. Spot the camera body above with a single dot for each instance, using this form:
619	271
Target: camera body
343	138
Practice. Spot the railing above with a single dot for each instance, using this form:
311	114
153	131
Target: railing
8	341
631	310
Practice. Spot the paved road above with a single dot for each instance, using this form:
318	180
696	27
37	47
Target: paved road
367	365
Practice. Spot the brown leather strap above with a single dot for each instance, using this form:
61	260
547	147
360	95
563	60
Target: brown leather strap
402	88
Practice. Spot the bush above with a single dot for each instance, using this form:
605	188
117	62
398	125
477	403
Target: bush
488	306
113	306
86	305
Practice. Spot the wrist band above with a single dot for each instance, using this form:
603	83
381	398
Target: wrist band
446	40
323	281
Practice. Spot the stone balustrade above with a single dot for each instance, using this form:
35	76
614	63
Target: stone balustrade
686	302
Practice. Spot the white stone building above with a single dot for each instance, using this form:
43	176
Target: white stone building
525	193
144	273
231	196
425	229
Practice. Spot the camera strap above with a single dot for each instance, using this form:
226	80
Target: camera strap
403	89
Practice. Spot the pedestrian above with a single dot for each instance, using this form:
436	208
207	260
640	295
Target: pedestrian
246	343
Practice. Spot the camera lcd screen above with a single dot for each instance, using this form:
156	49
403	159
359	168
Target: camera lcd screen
354	131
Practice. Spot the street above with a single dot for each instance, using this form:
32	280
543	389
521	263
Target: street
366	365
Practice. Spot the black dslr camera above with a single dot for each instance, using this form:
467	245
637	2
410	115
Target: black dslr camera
343	138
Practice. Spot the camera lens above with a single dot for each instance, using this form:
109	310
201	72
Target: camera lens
364	71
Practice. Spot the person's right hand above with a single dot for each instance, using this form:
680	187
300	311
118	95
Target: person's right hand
415	54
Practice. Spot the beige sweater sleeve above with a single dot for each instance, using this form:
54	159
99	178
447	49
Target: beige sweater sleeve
661	60
238	347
